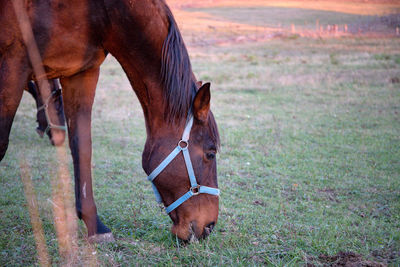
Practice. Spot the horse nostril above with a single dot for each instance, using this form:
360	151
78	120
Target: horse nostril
211	225
208	229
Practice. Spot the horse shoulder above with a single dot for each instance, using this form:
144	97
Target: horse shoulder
8	25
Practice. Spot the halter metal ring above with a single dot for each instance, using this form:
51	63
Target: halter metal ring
183	144
195	190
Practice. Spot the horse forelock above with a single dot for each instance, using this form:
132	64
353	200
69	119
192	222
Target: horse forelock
212	126
176	73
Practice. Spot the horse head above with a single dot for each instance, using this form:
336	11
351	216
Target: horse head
185	180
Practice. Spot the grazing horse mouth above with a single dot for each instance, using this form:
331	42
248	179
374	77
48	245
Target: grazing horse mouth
192	232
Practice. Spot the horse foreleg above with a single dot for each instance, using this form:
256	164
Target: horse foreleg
78	95
13	78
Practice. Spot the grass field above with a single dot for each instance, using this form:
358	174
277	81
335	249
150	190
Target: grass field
309	164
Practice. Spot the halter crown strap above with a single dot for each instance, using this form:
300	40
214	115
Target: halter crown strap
195	189
188	128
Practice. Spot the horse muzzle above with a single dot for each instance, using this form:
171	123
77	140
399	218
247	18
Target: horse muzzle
193	231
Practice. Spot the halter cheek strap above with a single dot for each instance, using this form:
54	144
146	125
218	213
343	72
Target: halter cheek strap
195	189
45	106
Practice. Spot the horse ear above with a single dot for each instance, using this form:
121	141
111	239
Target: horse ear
199	84
201	103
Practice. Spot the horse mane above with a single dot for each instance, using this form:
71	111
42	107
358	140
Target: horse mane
177	79
176	73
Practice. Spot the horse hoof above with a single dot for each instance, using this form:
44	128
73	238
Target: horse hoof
101	238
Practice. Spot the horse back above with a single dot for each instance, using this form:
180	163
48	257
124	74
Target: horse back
68	34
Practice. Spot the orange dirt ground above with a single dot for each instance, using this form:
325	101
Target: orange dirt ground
361	7
200	28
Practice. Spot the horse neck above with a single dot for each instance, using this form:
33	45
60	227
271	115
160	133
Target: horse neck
149	90
137	32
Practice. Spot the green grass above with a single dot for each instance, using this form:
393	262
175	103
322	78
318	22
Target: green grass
309	163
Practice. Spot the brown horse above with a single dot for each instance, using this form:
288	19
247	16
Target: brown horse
73	38
44	125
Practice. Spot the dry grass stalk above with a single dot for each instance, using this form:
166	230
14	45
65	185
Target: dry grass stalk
34	215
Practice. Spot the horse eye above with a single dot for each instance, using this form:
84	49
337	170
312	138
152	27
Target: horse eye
210	155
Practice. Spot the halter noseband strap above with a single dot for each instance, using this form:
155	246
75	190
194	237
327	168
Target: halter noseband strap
195	189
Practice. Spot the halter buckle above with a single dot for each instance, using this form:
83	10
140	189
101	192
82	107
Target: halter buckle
195	190
183	144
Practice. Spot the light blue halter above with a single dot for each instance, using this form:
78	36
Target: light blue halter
195	189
